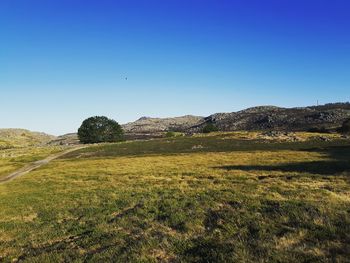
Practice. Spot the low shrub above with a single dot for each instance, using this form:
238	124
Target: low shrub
210	127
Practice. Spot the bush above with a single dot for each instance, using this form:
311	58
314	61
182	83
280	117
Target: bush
170	134
346	127
210	127
100	129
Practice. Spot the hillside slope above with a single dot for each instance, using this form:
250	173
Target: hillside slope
12	138
147	127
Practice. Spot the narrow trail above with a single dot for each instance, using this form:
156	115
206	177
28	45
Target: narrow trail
35	165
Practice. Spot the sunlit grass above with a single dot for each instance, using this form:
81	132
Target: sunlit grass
15	158
165	200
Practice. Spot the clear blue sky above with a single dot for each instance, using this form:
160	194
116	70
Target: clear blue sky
64	60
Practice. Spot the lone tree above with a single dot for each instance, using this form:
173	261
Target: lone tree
100	129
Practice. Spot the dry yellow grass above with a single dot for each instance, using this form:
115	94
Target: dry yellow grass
15	158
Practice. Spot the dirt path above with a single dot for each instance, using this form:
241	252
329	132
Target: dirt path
32	166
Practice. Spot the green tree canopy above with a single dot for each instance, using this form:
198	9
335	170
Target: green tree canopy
100	129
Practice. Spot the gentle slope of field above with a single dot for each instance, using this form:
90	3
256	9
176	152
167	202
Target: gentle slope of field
202	199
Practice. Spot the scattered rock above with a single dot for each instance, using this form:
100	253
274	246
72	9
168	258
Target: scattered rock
196	147
280	136
323	138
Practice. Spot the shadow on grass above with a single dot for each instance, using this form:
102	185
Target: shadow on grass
337	161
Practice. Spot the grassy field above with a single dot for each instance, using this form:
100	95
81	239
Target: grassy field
16	158
217	198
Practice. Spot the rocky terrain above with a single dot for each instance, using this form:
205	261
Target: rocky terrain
155	127
12	138
147	124
325	117
313	118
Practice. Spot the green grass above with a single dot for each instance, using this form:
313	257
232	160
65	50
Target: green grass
215	198
210	143
16	158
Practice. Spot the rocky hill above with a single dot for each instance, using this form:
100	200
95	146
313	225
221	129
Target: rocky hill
12	138
329	116
147	124
153	126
